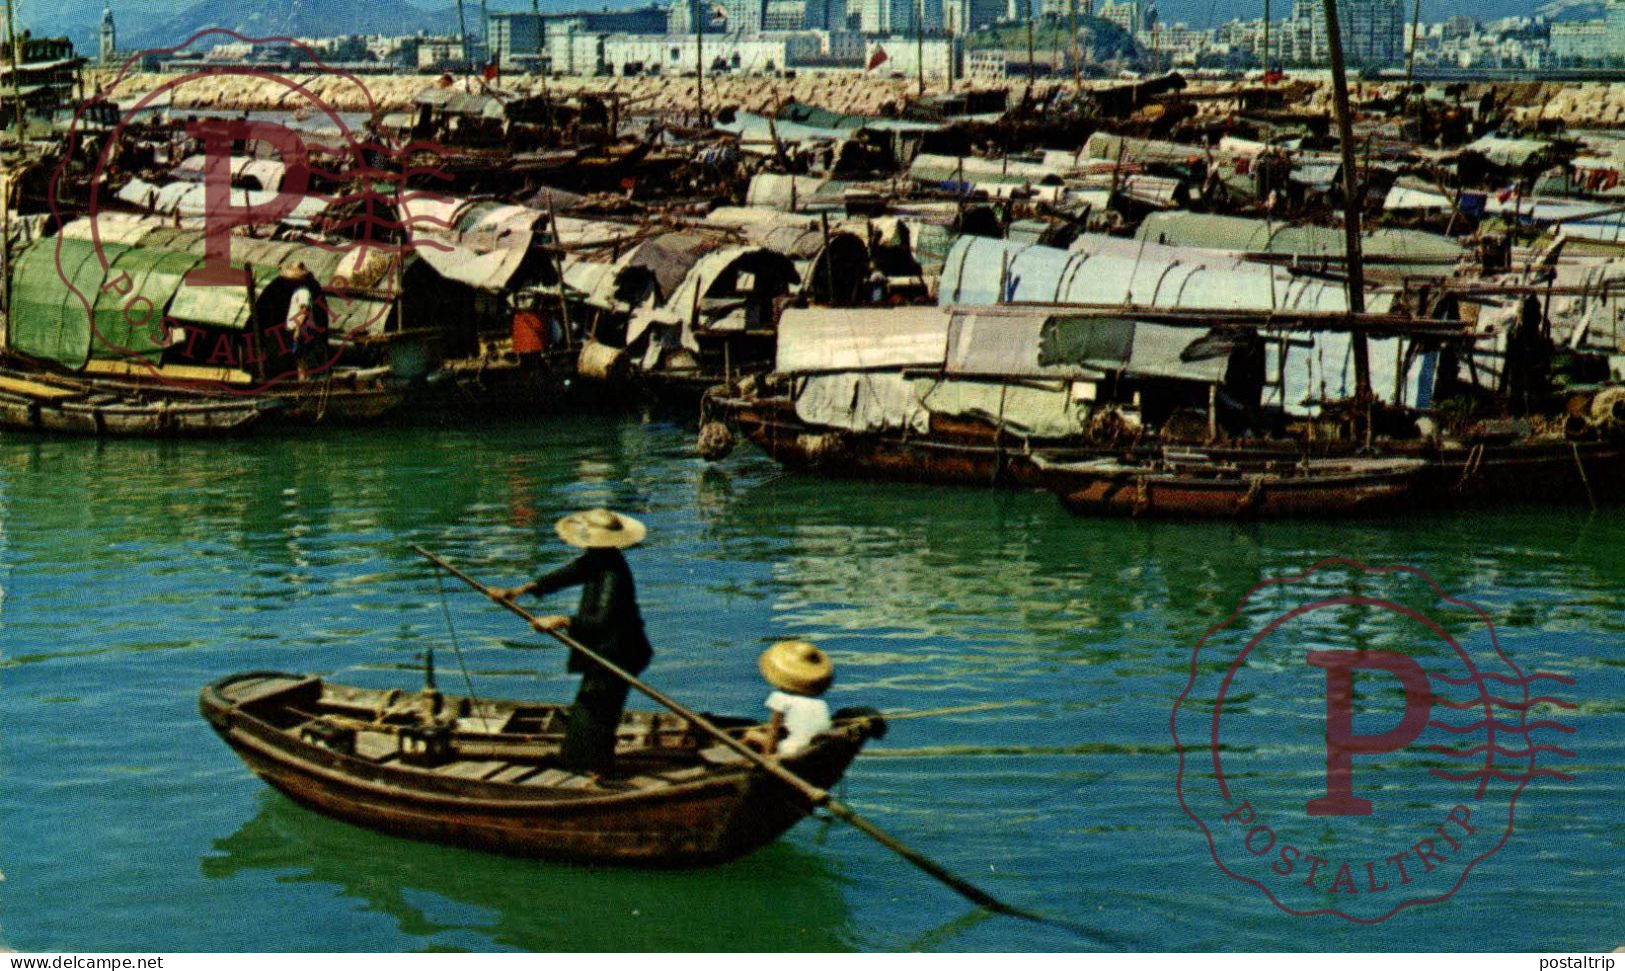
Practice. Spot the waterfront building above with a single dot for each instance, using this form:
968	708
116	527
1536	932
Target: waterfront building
884	17
436	53
1373	31
968	15
782	15
830	15
1057	9
1131	15
516	40
1591	42
903	55
107	48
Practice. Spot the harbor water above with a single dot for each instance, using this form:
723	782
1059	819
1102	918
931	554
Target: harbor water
136	572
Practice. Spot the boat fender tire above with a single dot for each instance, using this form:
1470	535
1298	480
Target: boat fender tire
716	441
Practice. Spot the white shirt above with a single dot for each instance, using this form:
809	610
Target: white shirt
803	718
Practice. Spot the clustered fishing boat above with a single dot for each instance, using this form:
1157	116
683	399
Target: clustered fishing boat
48	403
484	774
1187	485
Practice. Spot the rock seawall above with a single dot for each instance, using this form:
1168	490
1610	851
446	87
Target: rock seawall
1577	105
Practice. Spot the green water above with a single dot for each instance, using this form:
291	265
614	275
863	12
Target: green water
136	572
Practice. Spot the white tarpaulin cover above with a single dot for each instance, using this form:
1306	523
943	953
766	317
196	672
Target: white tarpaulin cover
819	340
863	402
1105	270
1051	411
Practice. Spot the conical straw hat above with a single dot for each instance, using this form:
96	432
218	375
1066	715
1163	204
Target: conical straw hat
798	667
600	528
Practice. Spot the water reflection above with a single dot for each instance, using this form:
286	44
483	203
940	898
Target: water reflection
779	898
138	571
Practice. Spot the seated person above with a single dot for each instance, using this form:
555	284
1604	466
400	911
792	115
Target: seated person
801	673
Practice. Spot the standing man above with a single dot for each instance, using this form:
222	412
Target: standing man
606	621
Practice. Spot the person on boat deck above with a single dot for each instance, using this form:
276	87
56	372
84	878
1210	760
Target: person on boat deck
801	673
607	621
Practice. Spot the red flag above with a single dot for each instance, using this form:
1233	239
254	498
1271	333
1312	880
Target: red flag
878	58
491	71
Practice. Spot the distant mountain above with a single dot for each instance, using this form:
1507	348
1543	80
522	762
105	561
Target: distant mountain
147	24
281	18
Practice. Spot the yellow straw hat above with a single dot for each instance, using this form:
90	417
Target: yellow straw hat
600	528
797	667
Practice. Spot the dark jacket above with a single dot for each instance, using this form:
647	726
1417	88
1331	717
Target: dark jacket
608	620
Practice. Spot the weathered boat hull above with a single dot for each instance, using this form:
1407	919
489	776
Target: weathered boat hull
1545	471
958	453
1338	489
30	406
724	812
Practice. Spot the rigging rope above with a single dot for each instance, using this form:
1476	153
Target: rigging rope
457	648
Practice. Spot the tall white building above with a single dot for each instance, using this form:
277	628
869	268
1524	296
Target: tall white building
900	17
967	15
108	46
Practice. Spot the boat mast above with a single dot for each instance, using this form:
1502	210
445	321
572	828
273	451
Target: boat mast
14	47
485	37
1410	59
1030	72
1266	42
462	37
1351	205
1077	56
699	11
919	43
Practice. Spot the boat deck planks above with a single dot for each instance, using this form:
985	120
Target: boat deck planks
35	389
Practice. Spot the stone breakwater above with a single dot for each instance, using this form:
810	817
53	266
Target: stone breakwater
1578	105
840	92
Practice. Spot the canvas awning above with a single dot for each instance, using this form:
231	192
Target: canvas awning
74	300
814	340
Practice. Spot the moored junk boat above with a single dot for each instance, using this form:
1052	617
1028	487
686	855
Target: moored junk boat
484	774
915	393
115	311
1199	486
1525	466
969	394
43	403
1114	344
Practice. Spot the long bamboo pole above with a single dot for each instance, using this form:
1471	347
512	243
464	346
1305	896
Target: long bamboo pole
813	794
1351	201
1410	57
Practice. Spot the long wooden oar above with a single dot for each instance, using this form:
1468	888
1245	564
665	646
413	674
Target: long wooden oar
813	794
